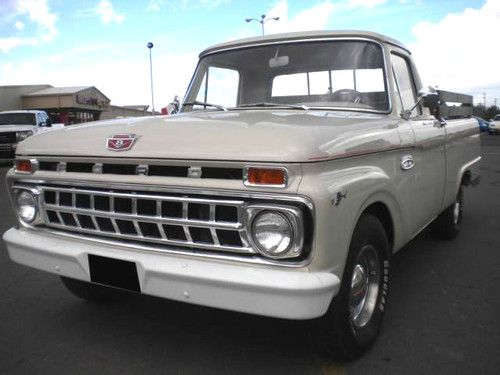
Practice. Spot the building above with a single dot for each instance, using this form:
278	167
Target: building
68	105
125	111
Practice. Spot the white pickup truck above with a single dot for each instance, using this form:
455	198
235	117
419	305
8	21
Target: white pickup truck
298	164
16	126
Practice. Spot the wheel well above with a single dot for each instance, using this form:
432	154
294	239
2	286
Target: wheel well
381	212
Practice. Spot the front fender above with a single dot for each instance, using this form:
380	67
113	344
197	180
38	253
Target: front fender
341	191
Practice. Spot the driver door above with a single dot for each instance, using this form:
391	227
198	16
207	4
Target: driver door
425	176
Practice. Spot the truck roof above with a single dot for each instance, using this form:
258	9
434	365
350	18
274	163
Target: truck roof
22	111
302	35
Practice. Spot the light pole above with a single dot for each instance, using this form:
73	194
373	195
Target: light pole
262	21
150	47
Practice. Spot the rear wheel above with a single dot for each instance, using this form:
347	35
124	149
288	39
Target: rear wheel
354	317
91	292
448	224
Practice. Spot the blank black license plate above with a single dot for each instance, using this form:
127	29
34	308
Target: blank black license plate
114	272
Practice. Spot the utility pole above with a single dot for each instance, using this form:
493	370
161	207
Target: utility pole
484	99
150	46
262	21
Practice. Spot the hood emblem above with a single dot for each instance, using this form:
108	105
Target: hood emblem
121	142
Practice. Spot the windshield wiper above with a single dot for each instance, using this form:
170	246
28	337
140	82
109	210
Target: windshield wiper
196	102
267	104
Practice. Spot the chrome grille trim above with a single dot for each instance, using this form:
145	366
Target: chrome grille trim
140	167
67	206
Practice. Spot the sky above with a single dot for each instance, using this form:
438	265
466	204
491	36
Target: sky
103	43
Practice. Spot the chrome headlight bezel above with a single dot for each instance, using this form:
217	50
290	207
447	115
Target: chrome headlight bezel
292	215
34	195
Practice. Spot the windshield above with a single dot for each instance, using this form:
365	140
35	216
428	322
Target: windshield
17	119
497	118
342	74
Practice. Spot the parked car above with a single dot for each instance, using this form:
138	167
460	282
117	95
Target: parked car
16	126
494	127
483	124
297	165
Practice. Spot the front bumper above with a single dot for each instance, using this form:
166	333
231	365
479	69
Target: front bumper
262	290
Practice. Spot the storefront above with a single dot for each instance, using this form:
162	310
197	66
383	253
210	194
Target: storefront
69	105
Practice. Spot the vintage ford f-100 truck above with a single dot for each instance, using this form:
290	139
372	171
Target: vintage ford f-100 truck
296	166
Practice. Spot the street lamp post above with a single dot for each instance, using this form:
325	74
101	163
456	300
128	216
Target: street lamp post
262	21
150	47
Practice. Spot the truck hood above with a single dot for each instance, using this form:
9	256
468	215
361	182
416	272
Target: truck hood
248	135
15	128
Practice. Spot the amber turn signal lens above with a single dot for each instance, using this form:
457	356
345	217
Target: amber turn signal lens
266	176
24	166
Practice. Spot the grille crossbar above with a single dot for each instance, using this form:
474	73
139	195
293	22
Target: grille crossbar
189	222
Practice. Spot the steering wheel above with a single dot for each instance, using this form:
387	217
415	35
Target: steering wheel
347	95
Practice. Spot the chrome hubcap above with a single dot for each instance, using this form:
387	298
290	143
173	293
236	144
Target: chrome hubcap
365	285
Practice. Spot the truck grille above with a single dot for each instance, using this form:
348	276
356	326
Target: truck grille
170	220
8	138
222	173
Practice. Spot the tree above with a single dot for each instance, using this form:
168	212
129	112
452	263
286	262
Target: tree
485	112
491	112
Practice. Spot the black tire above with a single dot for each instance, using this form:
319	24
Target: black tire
448	224
92	292
340	334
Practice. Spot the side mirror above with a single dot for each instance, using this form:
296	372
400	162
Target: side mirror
430	99
174	106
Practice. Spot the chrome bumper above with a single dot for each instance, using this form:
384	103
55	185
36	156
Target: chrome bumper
262	290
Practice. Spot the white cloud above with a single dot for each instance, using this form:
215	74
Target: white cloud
107	13
155	5
459	52
38	12
19	25
366	3
125	83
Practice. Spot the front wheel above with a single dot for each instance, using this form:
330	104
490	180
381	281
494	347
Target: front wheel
354	317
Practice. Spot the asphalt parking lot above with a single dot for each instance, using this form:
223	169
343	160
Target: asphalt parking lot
442	316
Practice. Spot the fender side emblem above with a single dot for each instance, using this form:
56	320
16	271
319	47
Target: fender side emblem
407	162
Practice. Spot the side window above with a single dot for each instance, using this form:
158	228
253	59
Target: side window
220	87
404	83
39	119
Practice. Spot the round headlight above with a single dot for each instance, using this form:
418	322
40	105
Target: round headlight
26	206
272	233
22	135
